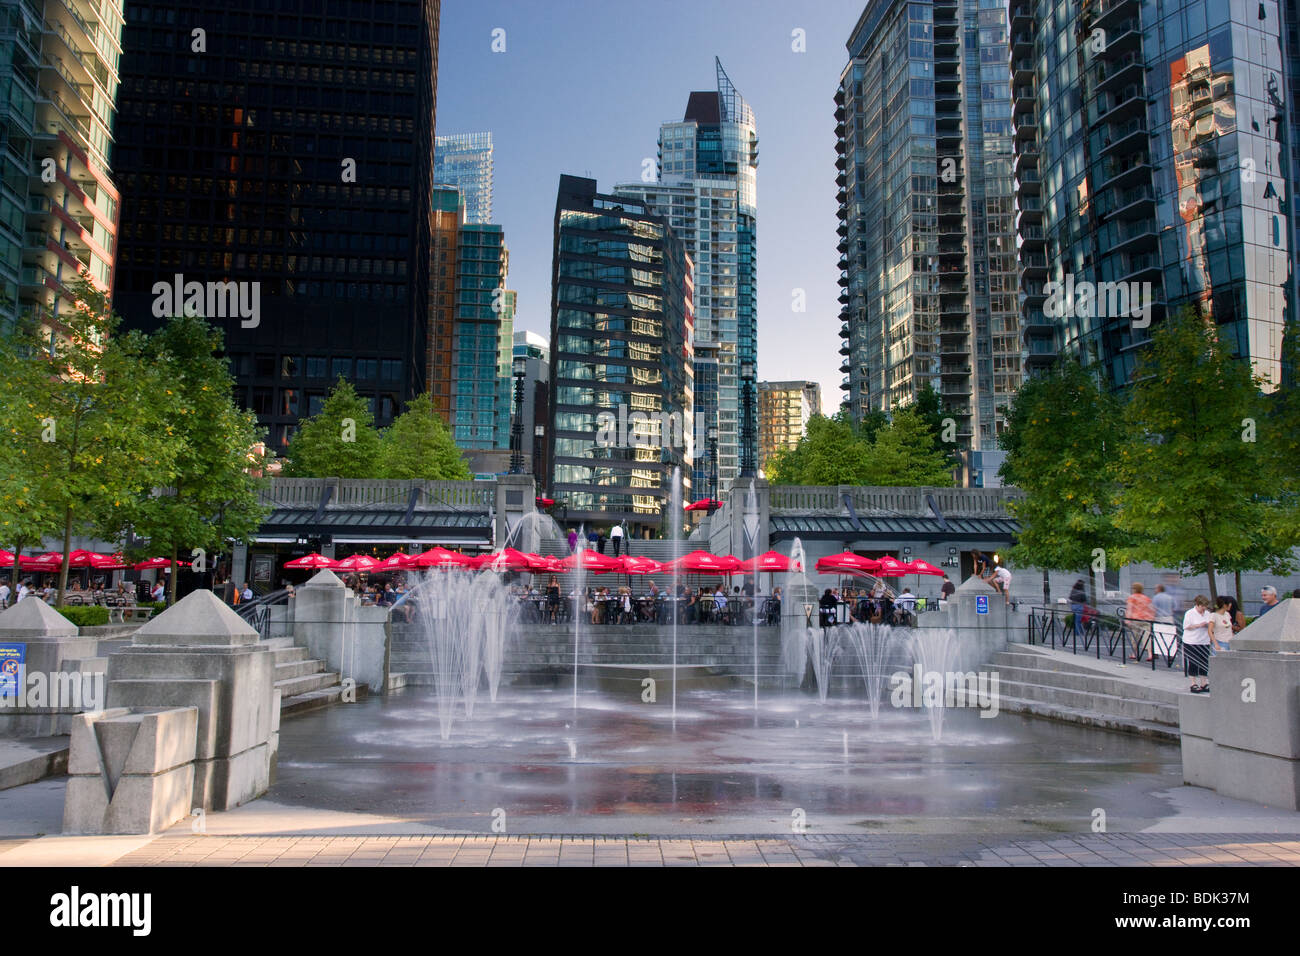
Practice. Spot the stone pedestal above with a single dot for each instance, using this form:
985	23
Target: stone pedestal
130	771
330	622
58	674
1243	738
199	653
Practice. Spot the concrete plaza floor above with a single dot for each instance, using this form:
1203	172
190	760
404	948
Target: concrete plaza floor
530	780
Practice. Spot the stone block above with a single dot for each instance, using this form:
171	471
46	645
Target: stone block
1261	778
1199	761
1196	715
199	619
1270	724
130	771
227	782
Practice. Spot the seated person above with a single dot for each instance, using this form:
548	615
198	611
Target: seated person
720	604
829	605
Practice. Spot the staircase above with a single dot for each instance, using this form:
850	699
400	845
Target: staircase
304	683
1046	684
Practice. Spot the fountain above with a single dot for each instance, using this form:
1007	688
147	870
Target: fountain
872	642
675	524
934	652
751	521
465	618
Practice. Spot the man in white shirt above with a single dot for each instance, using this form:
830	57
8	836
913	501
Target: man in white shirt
248	593
1002	581
4	595
23	591
616	538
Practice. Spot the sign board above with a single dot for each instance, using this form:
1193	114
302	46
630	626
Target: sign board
981	604
13	657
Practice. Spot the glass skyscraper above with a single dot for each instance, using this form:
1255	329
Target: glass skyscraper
1164	140
464	160
928	264
294	156
621	323
58	203
707	191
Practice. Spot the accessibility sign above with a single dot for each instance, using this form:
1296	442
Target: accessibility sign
981	604
12	659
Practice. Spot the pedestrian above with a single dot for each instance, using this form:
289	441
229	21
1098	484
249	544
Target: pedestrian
248	592
1163	602
593	539
573	540
24	589
159	593
1268	594
616	538
829	605
600	542
1221	625
948	589
1001	579
979	562
553	599
1234	609
1078	603
4	593
1139	612
1196	643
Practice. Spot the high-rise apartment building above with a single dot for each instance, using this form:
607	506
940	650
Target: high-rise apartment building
783	412
535	352
1164	166
621	369
464	160
59	64
281	158
927	248
707	190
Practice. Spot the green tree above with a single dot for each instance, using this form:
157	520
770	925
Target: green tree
829	453
929	406
1279	440
903	454
338	442
105	435
419	445
212	495
28	512
1193	492
1060	439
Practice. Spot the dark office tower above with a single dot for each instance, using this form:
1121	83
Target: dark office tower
620	394
927	236
1165	155
281	155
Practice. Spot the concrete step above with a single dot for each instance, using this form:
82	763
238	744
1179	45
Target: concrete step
1049	662
312	699
25	761
289	655
295	686
299	668
276	643
1117	706
85	665
1087	717
1093	683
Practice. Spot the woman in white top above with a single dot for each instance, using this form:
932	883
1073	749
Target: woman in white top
1196	643
1221	625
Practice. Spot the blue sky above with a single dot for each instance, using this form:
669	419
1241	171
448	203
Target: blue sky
582	88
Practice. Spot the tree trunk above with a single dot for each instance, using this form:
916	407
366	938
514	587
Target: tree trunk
1236	577
13	577
67	547
171	585
1209	571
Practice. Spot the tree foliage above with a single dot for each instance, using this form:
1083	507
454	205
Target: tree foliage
419	445
338	442
833	451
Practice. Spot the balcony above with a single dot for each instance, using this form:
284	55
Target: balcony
1130	171
1022	70
1120	105
1136	203
1127	69
1033	265
1124	137
954	371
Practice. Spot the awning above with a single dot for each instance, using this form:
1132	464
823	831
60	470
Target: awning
379	524
844	528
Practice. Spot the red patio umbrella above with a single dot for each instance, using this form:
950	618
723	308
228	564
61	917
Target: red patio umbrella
545	502
397	561
6	558
630	565
702	562
509	559
704	504
771	561
846	562
312	561
592	561
89	559
923	567
154	563
49	561
440	558
358	562
891	567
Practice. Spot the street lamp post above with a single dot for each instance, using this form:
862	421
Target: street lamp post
747	434
713	466
539	432
520	367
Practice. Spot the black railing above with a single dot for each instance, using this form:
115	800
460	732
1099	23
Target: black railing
257	612
1111	634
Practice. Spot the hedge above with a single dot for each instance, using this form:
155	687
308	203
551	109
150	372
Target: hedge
85	615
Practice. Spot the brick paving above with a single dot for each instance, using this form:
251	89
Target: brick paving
1116	849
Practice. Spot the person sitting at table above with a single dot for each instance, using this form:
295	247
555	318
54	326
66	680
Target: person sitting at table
905	605
829	605
720	612
774	608
625	606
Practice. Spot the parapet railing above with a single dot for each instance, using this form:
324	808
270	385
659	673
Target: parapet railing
1057	626
953	502
368	493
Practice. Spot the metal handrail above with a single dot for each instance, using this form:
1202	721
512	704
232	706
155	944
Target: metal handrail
1112	630
257	612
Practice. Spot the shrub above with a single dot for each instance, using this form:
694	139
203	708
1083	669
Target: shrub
85	615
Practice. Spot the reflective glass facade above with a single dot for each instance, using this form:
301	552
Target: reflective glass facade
621	323
295	153
928	266
464	160
1163	134
707	190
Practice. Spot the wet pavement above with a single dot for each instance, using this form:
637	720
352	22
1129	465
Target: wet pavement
529	763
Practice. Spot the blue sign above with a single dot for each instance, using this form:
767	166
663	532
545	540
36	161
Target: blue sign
12	659
981	604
